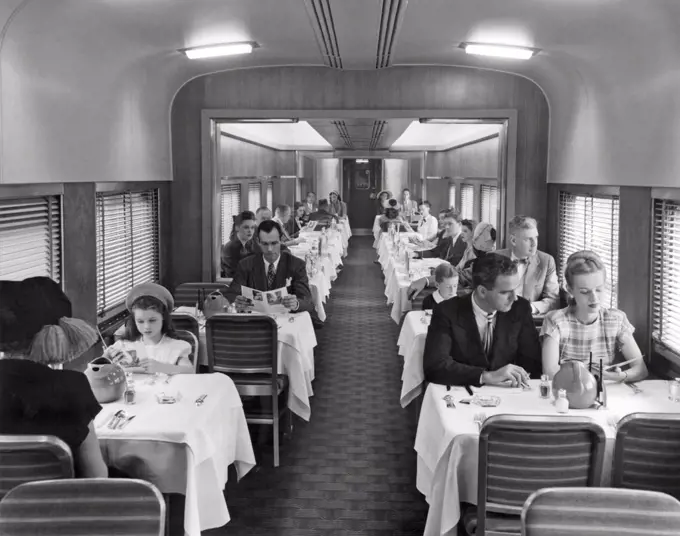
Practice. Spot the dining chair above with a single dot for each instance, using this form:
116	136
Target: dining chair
601	511
193	341
186	322
647	453
246	348
25	458
102	506
519	454
187	294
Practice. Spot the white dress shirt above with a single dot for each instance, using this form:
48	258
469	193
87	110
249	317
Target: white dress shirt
481	318
427	227
521	270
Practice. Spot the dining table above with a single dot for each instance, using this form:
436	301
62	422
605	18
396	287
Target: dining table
411	346
447	440
181	447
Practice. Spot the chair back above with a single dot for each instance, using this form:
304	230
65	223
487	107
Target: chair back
244	343
193	341
519	454
601	511
26	458
647	453
102	506
185	322
189	293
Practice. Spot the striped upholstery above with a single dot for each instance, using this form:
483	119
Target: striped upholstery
246	348
26	458
83	506
193	341
601	511
186	322
647	453
188	293
521	454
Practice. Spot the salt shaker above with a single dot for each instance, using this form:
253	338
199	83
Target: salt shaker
545	386
561	403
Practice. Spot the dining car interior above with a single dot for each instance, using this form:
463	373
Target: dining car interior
339	267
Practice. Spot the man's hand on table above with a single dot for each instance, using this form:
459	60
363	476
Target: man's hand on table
243	304
291	303
507	376
416	287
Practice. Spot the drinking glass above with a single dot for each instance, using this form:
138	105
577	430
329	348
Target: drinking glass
674	390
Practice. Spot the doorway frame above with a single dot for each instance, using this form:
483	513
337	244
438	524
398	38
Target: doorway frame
210	135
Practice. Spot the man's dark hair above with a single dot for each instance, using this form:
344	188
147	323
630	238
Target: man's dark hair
282	209
486	269
267	226
427	204
453	213
323	203
393	203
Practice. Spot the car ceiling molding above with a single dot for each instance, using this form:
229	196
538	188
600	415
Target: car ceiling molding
321	18
391	16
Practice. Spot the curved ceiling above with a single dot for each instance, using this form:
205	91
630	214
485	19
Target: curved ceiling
87	86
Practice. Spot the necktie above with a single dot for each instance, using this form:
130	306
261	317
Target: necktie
488	334
271	276
521	261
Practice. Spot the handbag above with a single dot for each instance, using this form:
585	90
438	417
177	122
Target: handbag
215	303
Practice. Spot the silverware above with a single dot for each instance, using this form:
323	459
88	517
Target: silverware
635	388
200	399
449	401
124	423
167	380
117	417
479	419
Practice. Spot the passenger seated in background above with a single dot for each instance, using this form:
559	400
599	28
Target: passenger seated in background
427	226
282	217
391	216
298	221
446	281
36	333
241	245
483	241
322	215
467	230
148	341
408	205
336	205
537	273
382	199
487	337
262	214
310	203
271	269
586	325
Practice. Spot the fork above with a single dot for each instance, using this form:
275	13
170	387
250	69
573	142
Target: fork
479	419
635	388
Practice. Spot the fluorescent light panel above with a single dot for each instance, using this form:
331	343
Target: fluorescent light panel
499	51
361	160
224	49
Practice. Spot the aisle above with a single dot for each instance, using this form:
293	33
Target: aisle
351	470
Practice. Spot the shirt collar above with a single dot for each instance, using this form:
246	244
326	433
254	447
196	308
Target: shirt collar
478	310
437	297
276	264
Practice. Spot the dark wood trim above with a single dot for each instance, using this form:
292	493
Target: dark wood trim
13	191
669	194
130	186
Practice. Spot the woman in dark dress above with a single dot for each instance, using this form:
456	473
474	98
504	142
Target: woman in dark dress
37	333
298	219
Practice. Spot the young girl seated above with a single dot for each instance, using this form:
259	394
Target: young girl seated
585	326
446	281
149	341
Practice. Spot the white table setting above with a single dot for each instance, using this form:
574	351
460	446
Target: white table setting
398	281
411	344
447	440
182	447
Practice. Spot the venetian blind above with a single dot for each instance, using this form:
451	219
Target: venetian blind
467	201
591	222
30	238
127	244
490	204
230	204
666	274
254	196
452	196
270	196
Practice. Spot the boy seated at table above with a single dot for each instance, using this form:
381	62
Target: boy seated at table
446	281
148	341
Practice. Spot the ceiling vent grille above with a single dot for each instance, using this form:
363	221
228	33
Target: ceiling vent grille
378	127
344	133
391	17
321	18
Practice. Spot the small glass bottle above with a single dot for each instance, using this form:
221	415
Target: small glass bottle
129	395
545	386
561	402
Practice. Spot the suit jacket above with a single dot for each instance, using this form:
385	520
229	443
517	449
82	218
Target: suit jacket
454	353
452	253
311	209
540	284
250	273
234	252
323	217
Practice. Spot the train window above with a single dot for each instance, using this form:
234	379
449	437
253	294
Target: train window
127	244
230	202
467	201
665	274
270	196
452	196
30	238
254	196
489	203
591	222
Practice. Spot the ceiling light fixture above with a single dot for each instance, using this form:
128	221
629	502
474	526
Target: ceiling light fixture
214	51
361	160
499	51
444	121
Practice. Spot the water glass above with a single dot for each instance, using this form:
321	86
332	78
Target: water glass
674	390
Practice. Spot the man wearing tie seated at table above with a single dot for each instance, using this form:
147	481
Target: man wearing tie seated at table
270	269
487	337
322	215
282	217
537	273
241	245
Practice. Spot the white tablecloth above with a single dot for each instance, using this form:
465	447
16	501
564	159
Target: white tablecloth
296	358
183	448
447	441
411	345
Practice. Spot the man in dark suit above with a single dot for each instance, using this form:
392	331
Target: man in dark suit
241	246
270	269
322	215
487	337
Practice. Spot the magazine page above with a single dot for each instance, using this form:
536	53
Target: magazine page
266	301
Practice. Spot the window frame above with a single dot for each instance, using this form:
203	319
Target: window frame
236	184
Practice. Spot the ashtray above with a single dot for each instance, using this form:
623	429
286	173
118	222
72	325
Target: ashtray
168	398
486	401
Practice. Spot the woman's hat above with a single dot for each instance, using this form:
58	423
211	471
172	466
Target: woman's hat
159	292
484	237
35	319
389	194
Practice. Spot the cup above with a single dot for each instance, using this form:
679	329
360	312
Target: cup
674	390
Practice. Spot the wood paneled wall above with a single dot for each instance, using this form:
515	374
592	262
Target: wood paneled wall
415	180
476	159
239	158
318	88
